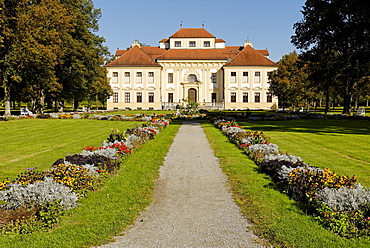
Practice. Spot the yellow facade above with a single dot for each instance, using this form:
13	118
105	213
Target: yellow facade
191	64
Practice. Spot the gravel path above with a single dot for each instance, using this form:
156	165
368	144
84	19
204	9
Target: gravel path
192	206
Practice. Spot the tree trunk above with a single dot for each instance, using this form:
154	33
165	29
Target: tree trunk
327	99
39	103
7	101
347	97
75	104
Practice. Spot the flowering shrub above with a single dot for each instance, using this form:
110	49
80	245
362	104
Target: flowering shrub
116	135
279	169
35	200
103	163
341	204
38	193
344	198
304	182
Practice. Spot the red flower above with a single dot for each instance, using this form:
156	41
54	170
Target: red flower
98	171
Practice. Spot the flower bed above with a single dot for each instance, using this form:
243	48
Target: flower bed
35	200
339	203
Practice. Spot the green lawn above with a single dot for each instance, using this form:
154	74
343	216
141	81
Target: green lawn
109	210
38	143
274	216
341	145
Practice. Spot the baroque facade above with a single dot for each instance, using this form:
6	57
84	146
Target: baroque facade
191	64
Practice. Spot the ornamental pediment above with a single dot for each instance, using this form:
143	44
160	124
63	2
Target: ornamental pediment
151	88
127	88
257	88
233	88
170	88
245	88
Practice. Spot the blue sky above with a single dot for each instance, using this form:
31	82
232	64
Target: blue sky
267	23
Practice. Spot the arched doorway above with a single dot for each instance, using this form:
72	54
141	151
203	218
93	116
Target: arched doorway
192	94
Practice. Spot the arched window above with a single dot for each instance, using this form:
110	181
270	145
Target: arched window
192	78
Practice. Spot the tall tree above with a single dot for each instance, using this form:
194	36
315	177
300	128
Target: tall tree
8	38
339	27
287	82
45	26
83	61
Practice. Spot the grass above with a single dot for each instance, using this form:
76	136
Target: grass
111	209
275	217
38	143
341	145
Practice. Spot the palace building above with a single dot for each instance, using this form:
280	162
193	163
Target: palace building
192	64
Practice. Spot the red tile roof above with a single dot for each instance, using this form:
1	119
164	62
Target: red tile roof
134	57
219	41
192	33
250	57
192	54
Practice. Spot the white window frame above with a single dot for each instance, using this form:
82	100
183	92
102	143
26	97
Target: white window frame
139	77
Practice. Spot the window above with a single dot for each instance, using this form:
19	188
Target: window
127	77
150	77
245	77
191	43
207	44
127	96
177	43
139	97
170	77
257	77
115	77
139	77
257	97
192	78
245	96
214	78
214	97
268	97
170	97
115	97
151	97
233	96
233	77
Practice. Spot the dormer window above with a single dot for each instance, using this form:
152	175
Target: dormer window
177	43
192	78
206	43
191	43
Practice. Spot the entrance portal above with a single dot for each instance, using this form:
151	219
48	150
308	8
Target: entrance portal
192	94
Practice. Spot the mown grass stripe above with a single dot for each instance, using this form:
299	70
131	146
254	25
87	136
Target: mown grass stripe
273	215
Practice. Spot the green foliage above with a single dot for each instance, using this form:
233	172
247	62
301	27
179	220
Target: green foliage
116	135
190	108
288	81
334	37
52	52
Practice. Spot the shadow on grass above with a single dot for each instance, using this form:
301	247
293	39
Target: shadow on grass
316	126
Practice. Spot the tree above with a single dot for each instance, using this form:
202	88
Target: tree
49	51
339	28
44	30
82	74
8	38
287	82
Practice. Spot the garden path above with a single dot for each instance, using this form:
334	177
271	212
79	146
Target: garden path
192	206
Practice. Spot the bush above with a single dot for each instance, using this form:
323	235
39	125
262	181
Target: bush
275	168
104	163
344	198
304	183
36	194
